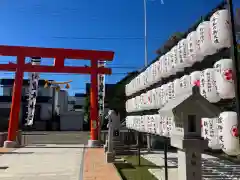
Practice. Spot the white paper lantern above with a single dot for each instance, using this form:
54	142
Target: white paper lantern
154	99
149	124
126	105
135	122
171	93
138	101
149	100
210	86
164	95
127	121
141	102
175	60
144	74
185	84
153	121
228	132
170	125
142	80
204	39
159	125
220	29
204	126
224	78
213	138
126	90
135	104
133	85
194	53
148	76
146	123
164	63
177	87
139	123
131	123
159	69
165	131
168	66
154	72
202	85
142	124
195	78
145	101
171	60
181	47
131	105
157	97
139	82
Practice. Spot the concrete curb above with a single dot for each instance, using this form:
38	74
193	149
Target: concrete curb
119	174
82	164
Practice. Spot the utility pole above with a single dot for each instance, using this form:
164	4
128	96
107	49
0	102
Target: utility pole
145	33
146	59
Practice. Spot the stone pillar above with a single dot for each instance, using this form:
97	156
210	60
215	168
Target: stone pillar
189	157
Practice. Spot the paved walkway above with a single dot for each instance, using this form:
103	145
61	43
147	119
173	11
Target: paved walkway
95	167
48	162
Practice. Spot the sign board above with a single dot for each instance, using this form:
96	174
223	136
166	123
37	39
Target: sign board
32	92
101	90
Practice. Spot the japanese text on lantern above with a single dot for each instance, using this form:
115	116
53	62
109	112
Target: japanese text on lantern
220	132
209	85
201	37
215	30
202	85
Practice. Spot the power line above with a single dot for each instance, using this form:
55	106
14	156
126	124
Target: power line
47	74
115	66
99	38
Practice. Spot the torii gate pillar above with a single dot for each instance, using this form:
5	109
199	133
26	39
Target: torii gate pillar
94	119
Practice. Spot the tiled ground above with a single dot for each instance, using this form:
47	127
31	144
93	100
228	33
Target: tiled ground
50	162
213	168
95	167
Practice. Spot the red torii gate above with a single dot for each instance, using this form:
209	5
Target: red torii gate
60	55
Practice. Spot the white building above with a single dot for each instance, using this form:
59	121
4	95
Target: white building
43	114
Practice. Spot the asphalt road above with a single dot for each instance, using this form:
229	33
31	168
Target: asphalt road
55	137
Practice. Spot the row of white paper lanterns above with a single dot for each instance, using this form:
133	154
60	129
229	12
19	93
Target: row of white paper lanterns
215	84
206	40
220	132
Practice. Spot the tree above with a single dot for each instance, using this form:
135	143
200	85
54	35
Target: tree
86	109
116	98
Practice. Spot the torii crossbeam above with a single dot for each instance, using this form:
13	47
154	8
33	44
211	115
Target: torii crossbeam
60	55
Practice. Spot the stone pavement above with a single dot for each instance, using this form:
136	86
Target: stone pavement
95	167
46	162
213	168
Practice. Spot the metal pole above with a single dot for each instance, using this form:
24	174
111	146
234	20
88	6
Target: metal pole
234	56
166	157
146	56
145	32
139	150
53	108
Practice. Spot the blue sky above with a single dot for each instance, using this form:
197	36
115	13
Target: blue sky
90	24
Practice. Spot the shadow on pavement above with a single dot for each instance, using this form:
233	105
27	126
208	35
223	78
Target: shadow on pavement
49	146
16	152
